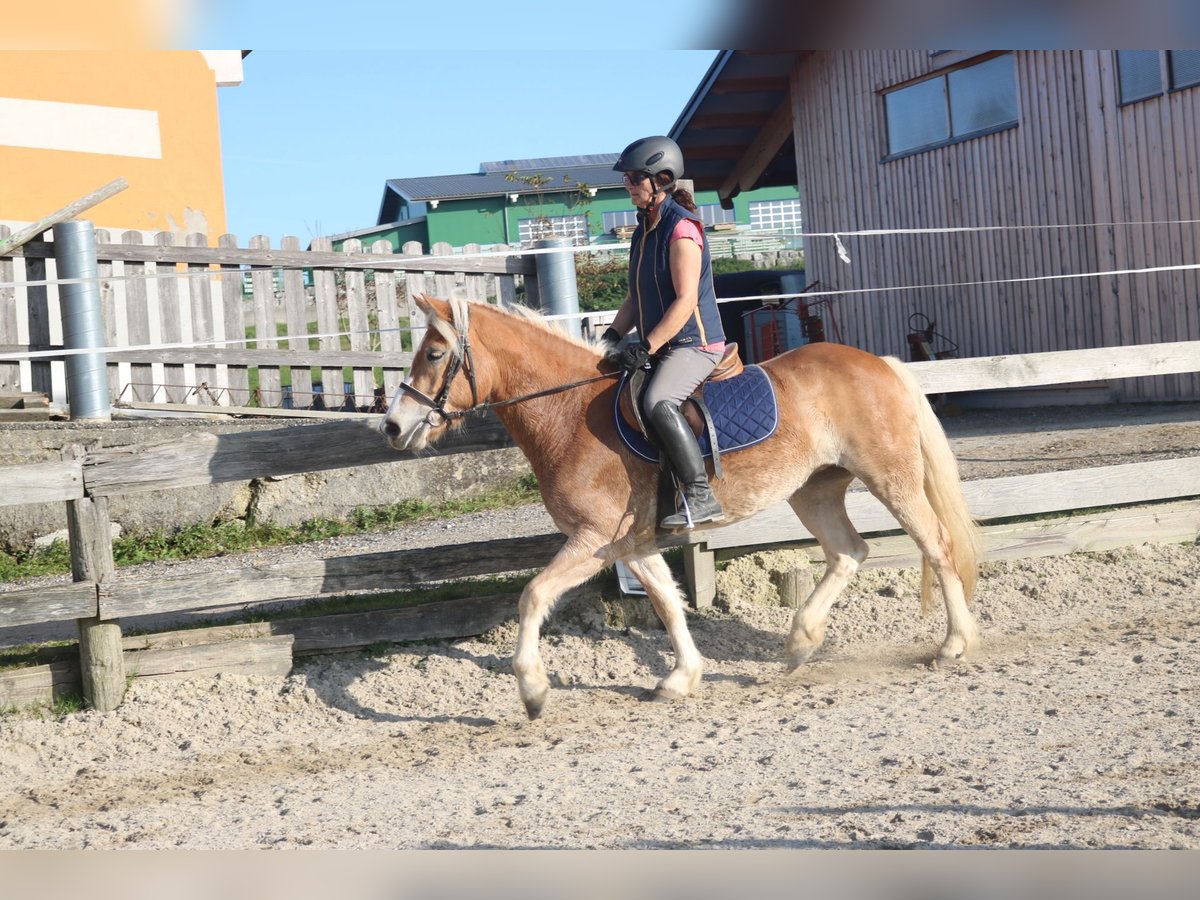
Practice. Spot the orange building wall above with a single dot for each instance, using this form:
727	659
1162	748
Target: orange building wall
183	191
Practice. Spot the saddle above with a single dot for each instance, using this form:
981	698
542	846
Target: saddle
733	409
694	409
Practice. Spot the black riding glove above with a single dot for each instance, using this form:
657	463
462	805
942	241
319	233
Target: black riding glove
634	356
609	341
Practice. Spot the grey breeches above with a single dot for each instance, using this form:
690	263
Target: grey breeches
678	373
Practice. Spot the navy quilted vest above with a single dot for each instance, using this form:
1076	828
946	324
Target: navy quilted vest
650	283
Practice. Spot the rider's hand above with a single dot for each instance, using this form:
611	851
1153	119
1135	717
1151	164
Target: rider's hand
610	341
634	356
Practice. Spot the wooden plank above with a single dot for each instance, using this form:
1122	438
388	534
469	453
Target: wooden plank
190	661
213	459
295	304
53	603
359	325
328	322
993	498
1057	367
110	305
10	372
1163	523
171	318
24	415
391	337
203	324
43	482
173	656
70	211
425	622
303	259
415	283
137	311
125	596
233	319
215	412
263	282
276	358
38	684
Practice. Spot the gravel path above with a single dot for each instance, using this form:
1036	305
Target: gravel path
1075	726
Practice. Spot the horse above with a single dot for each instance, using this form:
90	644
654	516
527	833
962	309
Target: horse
843	414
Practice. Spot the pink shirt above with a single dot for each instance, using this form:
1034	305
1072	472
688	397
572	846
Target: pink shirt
689	229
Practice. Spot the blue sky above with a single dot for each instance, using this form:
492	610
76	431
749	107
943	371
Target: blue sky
333	104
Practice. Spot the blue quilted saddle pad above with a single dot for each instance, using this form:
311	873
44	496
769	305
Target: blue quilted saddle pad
743	409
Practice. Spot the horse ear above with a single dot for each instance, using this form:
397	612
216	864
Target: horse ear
423	304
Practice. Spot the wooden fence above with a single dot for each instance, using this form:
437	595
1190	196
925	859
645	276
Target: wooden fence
100	596
163	291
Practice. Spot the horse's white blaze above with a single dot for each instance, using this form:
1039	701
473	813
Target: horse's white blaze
405	425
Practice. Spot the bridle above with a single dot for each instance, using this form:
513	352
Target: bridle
438	415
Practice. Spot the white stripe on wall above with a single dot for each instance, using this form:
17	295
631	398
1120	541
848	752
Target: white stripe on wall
79	127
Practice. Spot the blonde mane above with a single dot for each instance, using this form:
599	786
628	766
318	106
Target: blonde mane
460	311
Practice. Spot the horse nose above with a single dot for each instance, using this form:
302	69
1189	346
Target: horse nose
391	429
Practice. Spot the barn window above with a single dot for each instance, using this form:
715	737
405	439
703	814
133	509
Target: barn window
621	218
1185	68
573	227
775	215
1140	72
962	103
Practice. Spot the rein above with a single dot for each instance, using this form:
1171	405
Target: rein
437	408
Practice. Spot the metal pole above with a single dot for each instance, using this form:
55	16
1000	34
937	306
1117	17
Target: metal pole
83	326
556	283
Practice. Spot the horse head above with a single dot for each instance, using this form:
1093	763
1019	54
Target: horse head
440	388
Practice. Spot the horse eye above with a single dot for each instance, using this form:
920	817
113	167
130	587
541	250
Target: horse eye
434	355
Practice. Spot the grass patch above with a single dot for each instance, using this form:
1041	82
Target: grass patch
222	538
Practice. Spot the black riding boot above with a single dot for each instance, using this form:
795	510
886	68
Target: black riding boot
682	451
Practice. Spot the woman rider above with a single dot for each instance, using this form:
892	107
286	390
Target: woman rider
672	304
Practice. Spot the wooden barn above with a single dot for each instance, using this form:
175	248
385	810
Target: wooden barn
1057	166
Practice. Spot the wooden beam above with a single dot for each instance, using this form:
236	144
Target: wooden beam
53	603
209	410
42	482
994	498
982	373
70	211
1162	523
237	356
425	622
296	259
239	585
213	459
762	150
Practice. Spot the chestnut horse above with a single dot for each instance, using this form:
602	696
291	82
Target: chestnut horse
843	413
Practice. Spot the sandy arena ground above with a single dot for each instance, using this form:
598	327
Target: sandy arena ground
1075	726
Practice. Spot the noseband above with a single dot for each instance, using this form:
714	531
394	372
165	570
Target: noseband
437	408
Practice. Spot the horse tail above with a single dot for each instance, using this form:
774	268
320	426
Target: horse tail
943	489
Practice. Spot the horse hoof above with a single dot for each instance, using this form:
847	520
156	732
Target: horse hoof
951	654
660	695
535	705
796	658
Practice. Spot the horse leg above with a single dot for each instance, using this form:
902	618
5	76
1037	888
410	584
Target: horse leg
918	518
821	506
574	564
654	574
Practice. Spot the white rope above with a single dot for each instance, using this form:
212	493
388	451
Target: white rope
1186	267
587	248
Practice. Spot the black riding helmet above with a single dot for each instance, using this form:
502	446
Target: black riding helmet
652	155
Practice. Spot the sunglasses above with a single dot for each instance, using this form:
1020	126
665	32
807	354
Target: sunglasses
635	177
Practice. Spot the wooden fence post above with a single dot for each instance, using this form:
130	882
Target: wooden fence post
700	570
101	658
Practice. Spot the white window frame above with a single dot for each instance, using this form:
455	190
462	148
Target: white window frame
776	215
575	228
